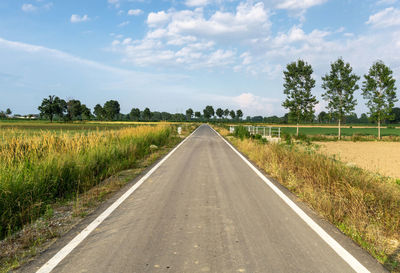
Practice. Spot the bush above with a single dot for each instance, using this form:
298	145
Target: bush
241	132
303	138
287	138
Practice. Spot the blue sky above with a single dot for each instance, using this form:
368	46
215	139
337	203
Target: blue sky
172	55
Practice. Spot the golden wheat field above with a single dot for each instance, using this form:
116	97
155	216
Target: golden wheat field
381	157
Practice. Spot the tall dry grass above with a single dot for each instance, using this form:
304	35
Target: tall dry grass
363	205
39	168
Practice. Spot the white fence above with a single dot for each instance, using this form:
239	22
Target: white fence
264	131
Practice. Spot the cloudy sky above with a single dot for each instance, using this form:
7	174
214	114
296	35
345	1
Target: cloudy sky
172	55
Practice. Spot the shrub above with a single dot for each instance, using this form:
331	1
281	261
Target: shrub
241	132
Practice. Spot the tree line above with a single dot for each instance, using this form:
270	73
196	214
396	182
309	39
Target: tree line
340	84
54	107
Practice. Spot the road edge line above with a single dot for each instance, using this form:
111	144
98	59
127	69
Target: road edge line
61	254
341	251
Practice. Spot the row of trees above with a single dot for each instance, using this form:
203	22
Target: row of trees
72	109
340	84
54	107
209	113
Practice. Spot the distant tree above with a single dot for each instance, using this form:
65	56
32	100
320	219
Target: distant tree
323	117
259	119
134	114
232	114
3	115
298	83
219	112
146	113
380	92
74	109
226	113
111	109
8	112
99	112
155	116
363	118
208	112
51	107
166	116
351	118
85	112
239	114
189	113
340	85
396	115
197	114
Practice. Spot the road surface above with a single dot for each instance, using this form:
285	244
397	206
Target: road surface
205	210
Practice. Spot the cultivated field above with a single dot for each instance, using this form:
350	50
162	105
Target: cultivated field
381	157
41	163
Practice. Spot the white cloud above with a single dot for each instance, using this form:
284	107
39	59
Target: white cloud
75	18
57	54
28	8
116	3
248	21
248	102
298	4
197	3
157	18
135	12
251	103
385	18
386	2
125	23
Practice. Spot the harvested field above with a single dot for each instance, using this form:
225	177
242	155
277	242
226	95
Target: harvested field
381	157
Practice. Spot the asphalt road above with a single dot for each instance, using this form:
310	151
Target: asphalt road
205	210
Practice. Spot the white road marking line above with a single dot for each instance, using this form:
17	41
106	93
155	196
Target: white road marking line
343	253
60	255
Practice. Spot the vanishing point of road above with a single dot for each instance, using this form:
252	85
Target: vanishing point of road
205	210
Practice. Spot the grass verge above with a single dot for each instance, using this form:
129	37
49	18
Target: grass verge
363	205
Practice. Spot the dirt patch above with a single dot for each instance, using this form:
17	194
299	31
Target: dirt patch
381	157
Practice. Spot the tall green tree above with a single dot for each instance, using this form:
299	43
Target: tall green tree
208	112
239	114
380	92
396	115
232	114
8	112
134	114
219	112
146	114
226	113
340	85
51	107
323	117
85	112
197	114
111	109
189	113
298	83
74	109
98	111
